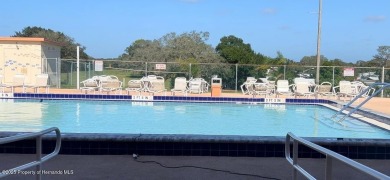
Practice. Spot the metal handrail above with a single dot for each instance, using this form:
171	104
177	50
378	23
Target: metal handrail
384	85
330	155
39	159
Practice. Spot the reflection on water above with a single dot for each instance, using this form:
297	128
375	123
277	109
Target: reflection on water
141	103
277	107
27	115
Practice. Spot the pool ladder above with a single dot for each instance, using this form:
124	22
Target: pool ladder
364	92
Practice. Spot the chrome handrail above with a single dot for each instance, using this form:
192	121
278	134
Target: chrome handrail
39	159
330	155
384	86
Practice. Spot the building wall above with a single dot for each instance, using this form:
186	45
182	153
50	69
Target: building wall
20	58
51	63
30	59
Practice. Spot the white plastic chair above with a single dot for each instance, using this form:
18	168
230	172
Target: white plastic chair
134	85
346	90
18	81
195	86
110	84
261	89
248	86
40	82
180	86
324	89
90	85
2	86
283	87
157	85
302	88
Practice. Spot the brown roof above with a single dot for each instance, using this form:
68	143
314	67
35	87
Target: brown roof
30	39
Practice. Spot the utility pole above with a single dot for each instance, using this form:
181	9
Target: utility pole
319	43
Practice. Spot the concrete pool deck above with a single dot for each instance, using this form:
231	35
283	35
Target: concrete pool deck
182	167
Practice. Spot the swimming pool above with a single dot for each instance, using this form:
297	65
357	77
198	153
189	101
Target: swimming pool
129	117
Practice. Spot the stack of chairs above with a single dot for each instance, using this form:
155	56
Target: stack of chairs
198	85
247	87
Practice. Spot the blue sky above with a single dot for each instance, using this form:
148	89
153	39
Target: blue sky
351	29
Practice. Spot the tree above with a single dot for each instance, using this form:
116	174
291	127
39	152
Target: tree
383	55
183	49
172	48
68	51
234	50
144	50
311	60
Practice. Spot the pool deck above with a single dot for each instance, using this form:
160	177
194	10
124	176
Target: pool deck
196	167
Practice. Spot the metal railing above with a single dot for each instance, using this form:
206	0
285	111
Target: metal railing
39	159
330	156
383	86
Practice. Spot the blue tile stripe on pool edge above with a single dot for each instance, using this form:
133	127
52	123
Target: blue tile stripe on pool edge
162	98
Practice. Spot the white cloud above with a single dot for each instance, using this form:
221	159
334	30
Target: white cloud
375	19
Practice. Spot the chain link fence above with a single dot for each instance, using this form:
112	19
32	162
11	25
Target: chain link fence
233	75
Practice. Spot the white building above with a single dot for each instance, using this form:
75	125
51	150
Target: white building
29	56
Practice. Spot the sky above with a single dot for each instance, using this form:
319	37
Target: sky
351	30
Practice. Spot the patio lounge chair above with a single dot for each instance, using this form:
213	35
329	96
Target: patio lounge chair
345	89
18	81
195	86
261	89
2	86
302	88
157	85
283	88
134	85
90	85
40	82
180	86
110	84
360	86
324	89
247	87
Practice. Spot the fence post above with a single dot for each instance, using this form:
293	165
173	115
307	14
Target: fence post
236	77
383	78
333	76
146	68
78	68
58	73
190	73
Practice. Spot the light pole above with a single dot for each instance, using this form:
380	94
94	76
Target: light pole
319	43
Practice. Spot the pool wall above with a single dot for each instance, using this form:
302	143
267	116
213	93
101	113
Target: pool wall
155	98
197	145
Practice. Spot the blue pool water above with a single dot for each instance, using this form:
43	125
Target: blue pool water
73	116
